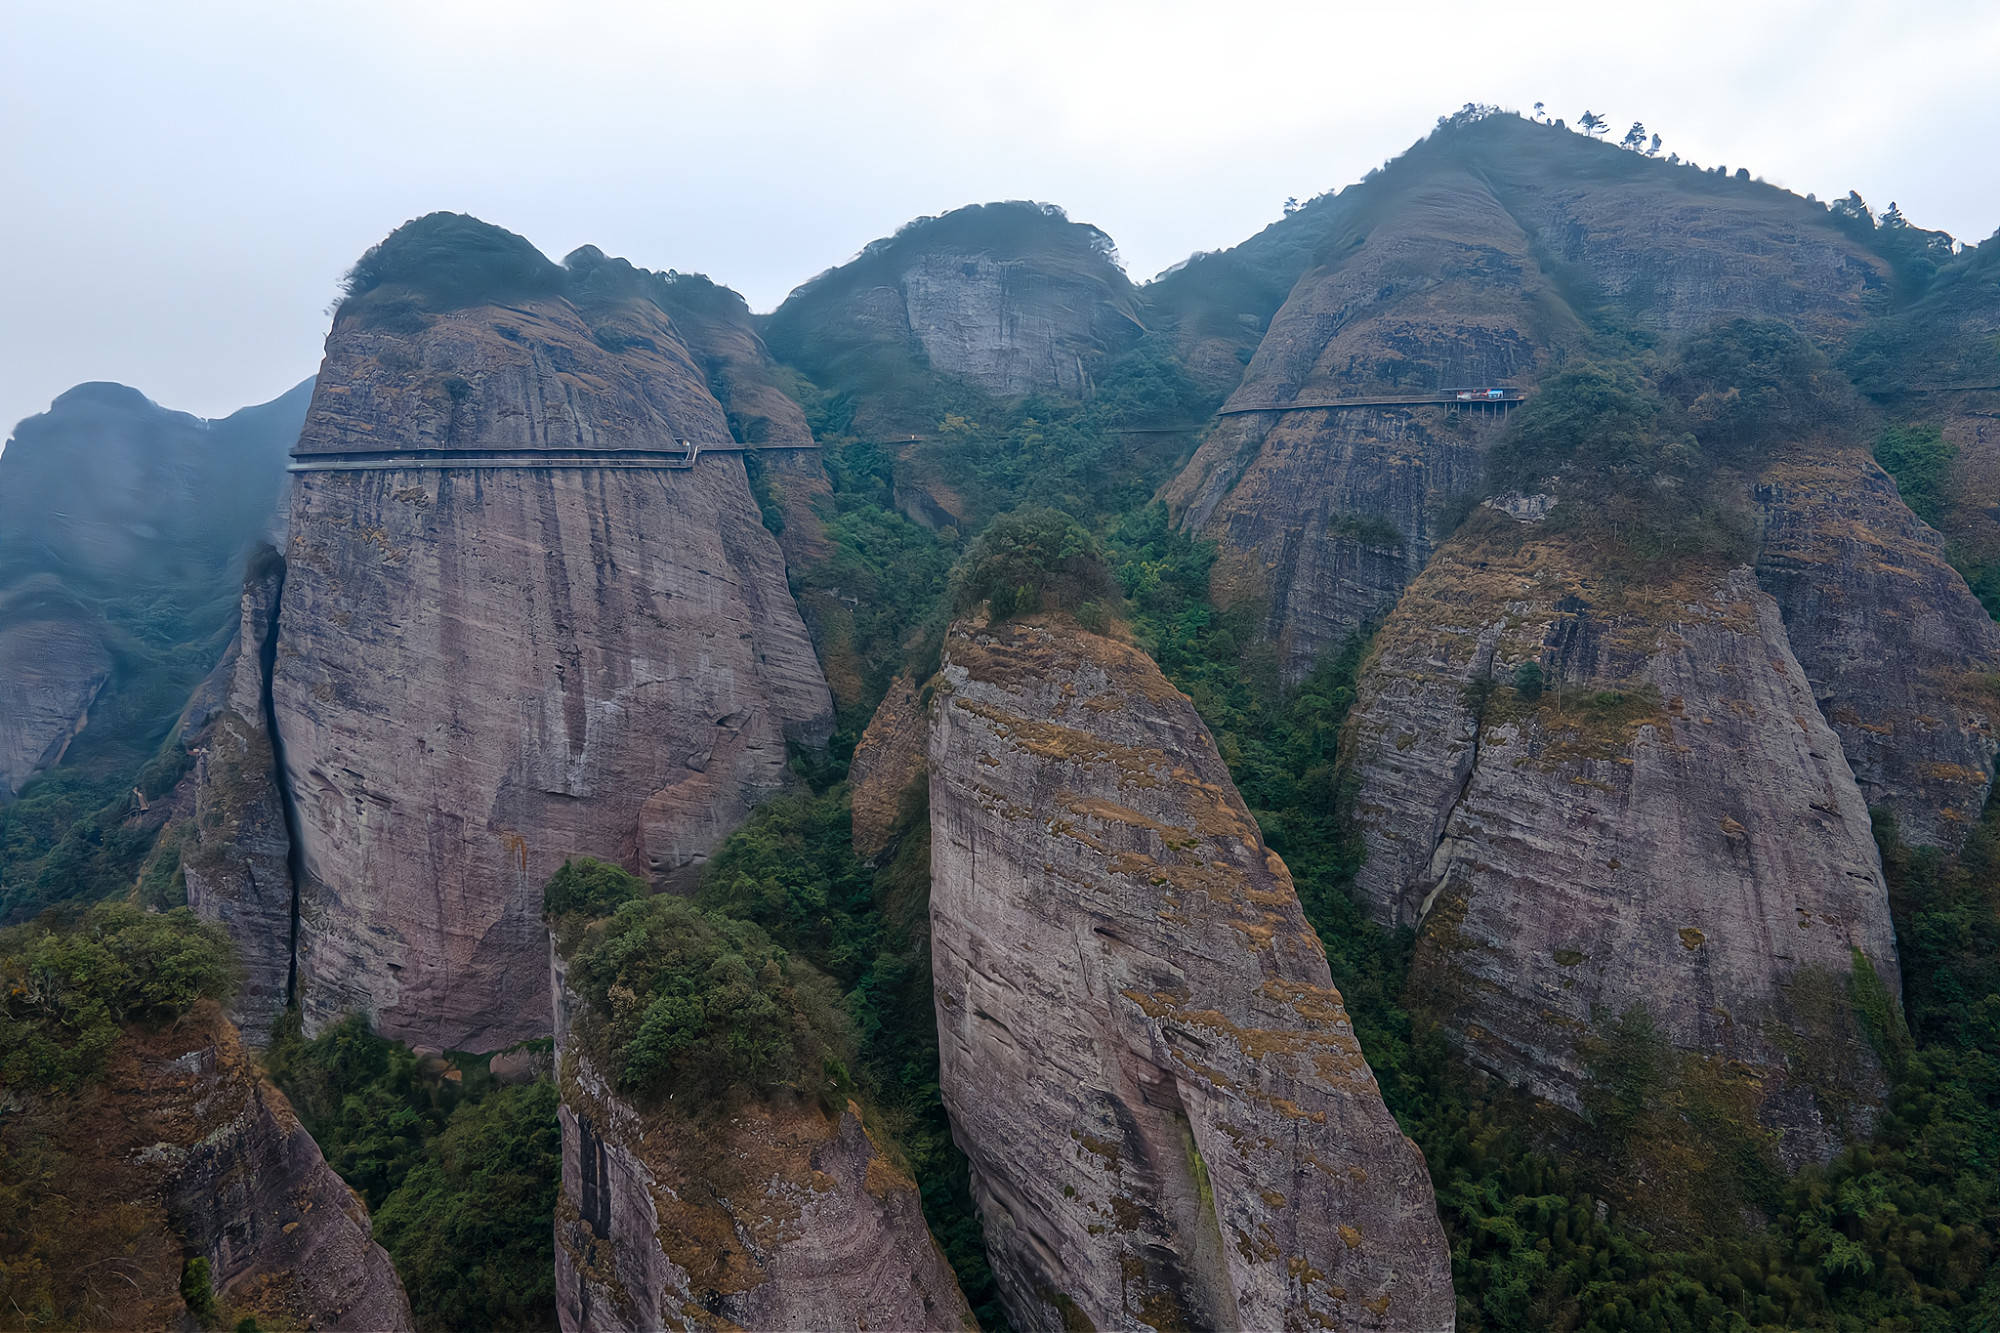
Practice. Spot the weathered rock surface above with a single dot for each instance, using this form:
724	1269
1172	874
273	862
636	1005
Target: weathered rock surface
200	1156
52	666
776	1216
1012	297
887	763
1670	823
1169	1120
482	672
1329	513
1899	652
1461	265
236	853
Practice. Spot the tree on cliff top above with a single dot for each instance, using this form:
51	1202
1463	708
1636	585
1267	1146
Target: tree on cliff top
450	260
1032	560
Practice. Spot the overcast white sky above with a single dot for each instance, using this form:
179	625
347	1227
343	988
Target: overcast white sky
183	183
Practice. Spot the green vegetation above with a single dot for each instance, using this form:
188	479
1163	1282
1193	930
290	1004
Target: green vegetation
675	999
443	261
1031	560
461	1174
1920	460
70	984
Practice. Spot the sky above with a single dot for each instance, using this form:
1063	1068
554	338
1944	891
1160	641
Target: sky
183	184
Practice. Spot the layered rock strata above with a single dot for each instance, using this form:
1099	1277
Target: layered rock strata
1168	1118
1900	654
236	851
778	1215
1663	819
482	671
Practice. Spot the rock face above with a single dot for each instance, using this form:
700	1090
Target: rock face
1012	297
1465	264
481	672
778	1216
108	499
53	663
1899	651
1168	1118
888	761
209	1160
1669	823
236	856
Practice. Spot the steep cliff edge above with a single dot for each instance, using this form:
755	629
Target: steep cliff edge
777	1214
1591	795
235	855
183	1151
1168	1118
1014	298
483	670
1901	655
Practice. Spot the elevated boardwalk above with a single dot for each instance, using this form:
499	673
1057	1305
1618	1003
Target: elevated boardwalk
406	460
1453	398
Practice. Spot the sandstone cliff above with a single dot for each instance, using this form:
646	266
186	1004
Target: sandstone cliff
1900	653
1168	1118
778	1215
236	852
186	1151
1328	513
1669	822
1482	257
1013	298
483	671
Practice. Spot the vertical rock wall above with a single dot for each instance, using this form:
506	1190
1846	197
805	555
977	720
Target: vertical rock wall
236	854
1168	1118
1901	655
1669	823
483	671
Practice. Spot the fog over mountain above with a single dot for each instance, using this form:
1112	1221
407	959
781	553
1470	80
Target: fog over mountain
187	183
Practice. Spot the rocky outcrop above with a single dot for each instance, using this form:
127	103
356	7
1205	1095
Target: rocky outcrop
1011	297
1168	1118
1900	654
53	663
1667	822
236	852
483	671
888	763
194	1153
778	1215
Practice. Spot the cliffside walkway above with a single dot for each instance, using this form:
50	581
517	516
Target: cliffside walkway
405	460
1459	398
